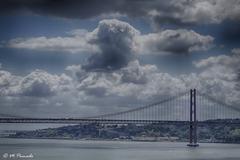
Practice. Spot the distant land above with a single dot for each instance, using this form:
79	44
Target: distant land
218	133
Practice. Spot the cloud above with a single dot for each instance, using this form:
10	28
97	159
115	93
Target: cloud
36	84
179	12
224	67
136	73
197	12
222	60
8	83
122	82
42	84
113	43
179	41
72	44
220	76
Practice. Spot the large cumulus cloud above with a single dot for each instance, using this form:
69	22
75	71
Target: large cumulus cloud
38	83
115	40
42	84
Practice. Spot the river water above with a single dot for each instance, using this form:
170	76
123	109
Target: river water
36	149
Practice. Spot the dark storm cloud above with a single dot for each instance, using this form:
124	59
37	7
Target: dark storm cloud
60	8
176	12
114	39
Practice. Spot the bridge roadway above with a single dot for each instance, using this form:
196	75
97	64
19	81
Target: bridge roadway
109	121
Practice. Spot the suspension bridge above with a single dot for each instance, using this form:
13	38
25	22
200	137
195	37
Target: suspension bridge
191	108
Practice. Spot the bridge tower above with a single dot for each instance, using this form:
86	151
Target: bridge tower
193	120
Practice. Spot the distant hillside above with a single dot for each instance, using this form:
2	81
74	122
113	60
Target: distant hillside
151	132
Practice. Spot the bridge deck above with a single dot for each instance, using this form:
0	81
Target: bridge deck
106	121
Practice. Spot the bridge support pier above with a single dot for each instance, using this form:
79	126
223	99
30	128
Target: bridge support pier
193	120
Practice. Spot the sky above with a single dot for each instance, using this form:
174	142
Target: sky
72	58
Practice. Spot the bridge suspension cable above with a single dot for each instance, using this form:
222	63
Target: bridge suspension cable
155	111
210	108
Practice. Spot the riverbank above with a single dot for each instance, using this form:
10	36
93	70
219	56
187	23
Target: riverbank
130	132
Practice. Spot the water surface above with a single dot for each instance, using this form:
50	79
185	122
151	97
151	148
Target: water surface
113	150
